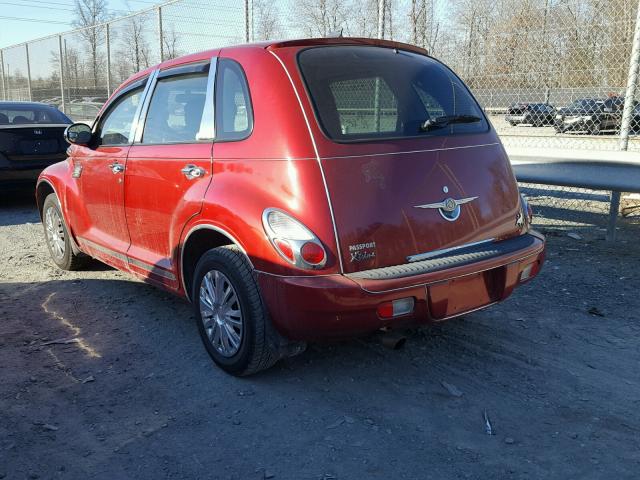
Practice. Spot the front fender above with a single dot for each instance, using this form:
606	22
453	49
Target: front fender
57	177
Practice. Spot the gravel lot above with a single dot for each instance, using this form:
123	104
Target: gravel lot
555	368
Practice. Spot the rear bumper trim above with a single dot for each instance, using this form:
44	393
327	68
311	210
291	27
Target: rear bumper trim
449	259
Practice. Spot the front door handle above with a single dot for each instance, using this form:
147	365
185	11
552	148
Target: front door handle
116	168
192	172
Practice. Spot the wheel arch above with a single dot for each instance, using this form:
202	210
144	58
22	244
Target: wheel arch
44	188
197	241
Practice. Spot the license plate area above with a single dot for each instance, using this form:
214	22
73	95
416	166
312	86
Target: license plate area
460	295
35	147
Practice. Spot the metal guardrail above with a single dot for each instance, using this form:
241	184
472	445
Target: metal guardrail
616	172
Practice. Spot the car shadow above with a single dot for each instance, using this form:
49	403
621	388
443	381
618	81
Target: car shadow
108	316
18	208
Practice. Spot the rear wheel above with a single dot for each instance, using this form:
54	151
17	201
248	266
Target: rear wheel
58	238
232	320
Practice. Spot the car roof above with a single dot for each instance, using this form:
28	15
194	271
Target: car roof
276	44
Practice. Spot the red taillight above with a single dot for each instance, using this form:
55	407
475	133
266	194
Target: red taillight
284	248
396	308
312	253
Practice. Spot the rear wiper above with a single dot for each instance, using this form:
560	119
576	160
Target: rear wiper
440	122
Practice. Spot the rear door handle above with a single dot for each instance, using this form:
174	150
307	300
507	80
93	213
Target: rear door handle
116	167
192	172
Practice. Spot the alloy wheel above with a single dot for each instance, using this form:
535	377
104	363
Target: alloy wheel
55	232
221	313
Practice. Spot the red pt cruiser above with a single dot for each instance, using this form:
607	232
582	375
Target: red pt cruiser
295	191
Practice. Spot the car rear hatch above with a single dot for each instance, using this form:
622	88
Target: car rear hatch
400	191
32	146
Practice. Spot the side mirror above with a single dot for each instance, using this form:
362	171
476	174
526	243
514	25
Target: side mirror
78	134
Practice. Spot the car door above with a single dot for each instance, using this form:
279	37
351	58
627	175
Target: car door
169	167
99	168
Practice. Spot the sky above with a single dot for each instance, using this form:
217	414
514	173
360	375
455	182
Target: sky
22	20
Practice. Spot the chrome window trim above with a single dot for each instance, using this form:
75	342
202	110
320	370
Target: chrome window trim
442	251
111	101
141	113
206	226
208	122
318	159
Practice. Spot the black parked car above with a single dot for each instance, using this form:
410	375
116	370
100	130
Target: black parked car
535	114
591	115
31	138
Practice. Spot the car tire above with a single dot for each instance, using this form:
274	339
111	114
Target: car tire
57	236
595	128
234	330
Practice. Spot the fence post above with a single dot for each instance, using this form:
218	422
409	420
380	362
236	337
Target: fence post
108	41
246	21
26	48
62	60
632	80
381	14
5	94
160	35
625	128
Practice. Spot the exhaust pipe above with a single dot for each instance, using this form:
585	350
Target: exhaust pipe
392	340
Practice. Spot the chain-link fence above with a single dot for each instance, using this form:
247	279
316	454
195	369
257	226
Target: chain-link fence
550	73
558	74
96	60
580	212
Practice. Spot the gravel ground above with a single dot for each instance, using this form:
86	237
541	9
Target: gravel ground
555	369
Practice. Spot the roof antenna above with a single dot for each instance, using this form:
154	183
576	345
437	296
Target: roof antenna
335	33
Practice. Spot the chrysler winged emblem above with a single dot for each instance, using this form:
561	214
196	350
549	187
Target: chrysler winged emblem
449	208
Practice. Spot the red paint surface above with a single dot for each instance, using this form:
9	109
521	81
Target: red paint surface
147	212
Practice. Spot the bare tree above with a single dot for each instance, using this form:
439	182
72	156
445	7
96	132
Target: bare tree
424	24
170	41
321	17
91	13
365	19
266	22
135	49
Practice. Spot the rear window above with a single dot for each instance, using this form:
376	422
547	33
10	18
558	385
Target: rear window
31	114
373	93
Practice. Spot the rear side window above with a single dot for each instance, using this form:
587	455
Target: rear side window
234	115
372	93
175	111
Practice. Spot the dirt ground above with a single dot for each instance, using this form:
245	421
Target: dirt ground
555	369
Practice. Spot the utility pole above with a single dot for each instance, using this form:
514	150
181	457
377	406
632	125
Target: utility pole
632	83
246	21
382	8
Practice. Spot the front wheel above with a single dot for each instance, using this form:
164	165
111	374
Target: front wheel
58	238
232	319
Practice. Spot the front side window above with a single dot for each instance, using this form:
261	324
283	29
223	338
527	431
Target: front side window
372	93
175	111
234	115
115	128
